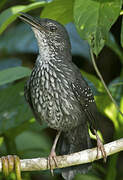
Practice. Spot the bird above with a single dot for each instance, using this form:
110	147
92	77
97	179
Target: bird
59	96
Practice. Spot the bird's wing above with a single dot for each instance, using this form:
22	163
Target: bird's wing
85	96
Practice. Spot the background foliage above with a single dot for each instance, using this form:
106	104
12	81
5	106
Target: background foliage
100	24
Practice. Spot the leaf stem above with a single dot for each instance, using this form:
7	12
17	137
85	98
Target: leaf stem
103	82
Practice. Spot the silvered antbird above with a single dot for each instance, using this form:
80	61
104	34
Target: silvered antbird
58	94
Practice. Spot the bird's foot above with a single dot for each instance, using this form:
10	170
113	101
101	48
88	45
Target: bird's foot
100	147
11	163
51	158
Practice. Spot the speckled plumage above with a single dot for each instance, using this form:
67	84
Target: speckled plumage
57	93
52	96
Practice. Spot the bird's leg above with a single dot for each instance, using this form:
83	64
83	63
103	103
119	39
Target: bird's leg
100	146
52	155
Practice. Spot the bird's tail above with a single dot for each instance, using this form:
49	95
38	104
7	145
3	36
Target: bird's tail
72	141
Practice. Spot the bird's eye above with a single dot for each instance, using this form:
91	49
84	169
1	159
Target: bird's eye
53	28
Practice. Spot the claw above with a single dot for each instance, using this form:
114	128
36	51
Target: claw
9	163
17	167
100	147
5	166
51	158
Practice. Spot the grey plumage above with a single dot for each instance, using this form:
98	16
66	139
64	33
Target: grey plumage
56	91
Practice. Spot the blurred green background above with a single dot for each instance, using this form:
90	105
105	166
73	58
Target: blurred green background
20	134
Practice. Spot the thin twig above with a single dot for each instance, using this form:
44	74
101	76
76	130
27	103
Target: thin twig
81	157
103	82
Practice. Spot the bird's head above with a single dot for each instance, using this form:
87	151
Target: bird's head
49	33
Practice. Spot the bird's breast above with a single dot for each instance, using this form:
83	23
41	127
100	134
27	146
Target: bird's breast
52	97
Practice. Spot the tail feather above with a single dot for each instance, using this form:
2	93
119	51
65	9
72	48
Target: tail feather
72	141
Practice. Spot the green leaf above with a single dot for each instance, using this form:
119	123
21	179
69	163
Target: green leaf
112	171
14	110
61	11
117	92
122	33
106	106
87	177
33	144
2	3
9	15
94	18
98	84
112	44
11	74
23	38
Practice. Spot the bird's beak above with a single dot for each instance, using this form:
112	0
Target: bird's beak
32	21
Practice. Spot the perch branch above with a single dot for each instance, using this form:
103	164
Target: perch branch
81	157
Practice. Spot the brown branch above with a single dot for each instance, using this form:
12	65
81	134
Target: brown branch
81	157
